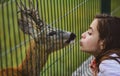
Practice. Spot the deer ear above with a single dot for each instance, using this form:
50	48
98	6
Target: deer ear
26	26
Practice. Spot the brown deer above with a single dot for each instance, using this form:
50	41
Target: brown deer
45	40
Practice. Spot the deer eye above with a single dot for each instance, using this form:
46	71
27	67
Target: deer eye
52	33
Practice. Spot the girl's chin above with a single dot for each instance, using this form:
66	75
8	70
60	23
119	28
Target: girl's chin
86	51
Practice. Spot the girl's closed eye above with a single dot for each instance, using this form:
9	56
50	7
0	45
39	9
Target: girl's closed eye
89	32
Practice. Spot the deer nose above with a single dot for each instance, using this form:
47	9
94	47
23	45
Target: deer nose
72	36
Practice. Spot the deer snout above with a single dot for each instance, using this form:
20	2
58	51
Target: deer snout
71	38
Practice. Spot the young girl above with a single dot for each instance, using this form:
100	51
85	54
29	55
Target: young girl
102	40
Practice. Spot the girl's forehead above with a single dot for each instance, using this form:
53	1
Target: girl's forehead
94	24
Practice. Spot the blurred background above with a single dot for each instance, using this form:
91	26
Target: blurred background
69	15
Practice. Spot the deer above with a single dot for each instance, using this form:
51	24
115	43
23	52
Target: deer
45	40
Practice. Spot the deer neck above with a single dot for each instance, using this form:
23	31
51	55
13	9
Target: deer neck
34	61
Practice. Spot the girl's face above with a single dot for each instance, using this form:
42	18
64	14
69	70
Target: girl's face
90	39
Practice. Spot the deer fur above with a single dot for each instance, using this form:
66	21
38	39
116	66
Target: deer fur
45	40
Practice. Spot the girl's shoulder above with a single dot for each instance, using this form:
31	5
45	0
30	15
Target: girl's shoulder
111	60
109	67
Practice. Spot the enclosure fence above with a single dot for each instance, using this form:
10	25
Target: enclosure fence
45	52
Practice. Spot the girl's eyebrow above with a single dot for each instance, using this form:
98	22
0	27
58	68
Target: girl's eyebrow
91	28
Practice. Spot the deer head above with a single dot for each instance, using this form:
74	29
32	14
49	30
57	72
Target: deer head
31	24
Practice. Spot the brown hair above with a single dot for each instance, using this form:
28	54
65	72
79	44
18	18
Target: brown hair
109	31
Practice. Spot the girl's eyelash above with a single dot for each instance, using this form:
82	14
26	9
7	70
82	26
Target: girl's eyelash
89	33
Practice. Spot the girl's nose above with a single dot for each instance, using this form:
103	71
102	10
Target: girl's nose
83	35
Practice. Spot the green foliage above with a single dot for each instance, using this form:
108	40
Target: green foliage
3	1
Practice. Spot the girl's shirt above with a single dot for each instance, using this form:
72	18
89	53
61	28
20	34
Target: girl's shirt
109	67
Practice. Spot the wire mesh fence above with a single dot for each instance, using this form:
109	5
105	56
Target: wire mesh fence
48	27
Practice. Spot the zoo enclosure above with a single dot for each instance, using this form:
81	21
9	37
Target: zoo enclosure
70	15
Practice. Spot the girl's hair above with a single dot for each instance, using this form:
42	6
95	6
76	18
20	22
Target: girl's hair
109	31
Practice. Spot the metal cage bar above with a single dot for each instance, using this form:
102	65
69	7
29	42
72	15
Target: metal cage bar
69	15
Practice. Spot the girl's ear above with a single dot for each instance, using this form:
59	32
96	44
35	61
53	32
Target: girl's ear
101	43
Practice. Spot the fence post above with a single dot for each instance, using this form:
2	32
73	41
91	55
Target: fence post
106	6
